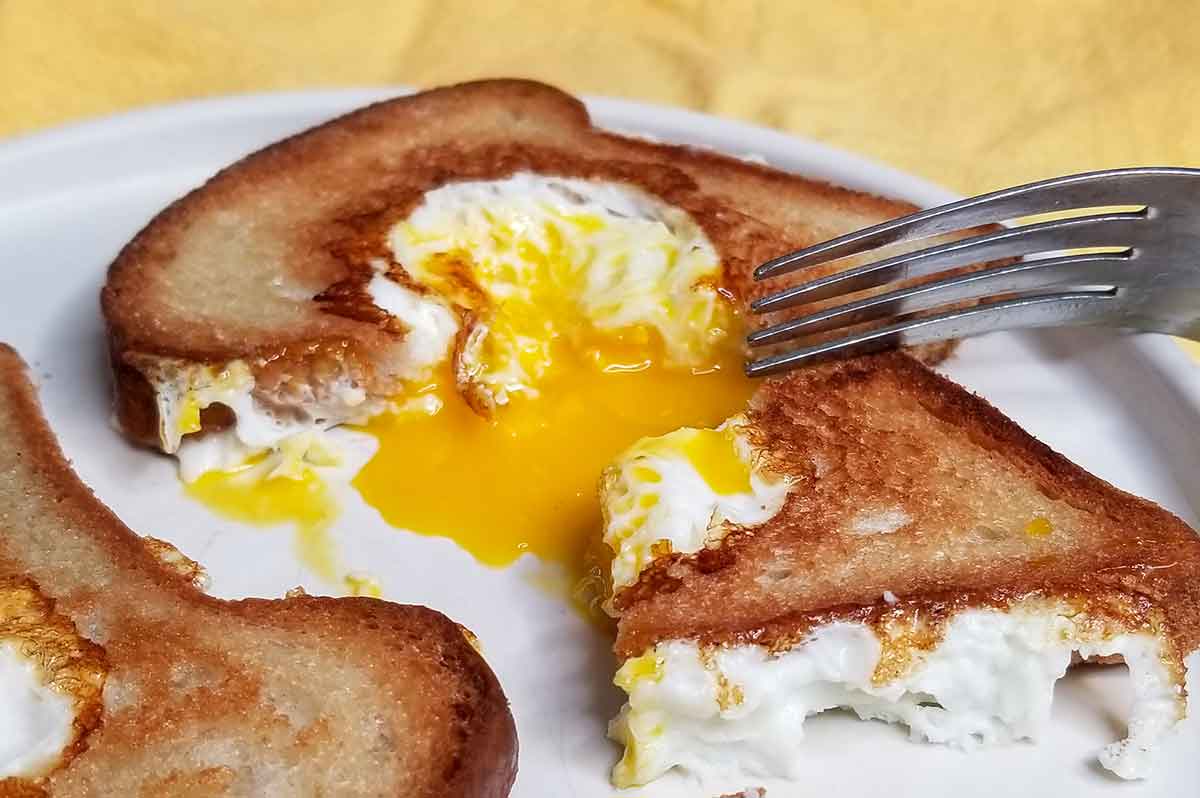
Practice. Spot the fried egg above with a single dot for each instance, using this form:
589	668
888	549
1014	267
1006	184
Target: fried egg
183	390
682	491
551	322
591	315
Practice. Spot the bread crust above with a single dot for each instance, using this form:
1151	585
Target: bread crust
884	433
312	211
204	696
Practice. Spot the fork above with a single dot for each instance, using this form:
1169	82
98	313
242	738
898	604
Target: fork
1146	279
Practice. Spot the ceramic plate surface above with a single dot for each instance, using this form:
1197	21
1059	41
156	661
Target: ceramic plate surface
1126	408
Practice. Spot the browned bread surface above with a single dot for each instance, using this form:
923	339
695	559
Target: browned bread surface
884	434
268	260
300	696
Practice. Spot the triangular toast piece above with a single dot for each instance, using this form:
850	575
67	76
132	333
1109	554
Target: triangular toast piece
174	692
892	544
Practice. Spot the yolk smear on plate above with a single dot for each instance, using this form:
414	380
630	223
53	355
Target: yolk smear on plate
305	501
526	480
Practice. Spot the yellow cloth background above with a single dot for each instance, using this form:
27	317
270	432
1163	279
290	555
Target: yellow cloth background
974	95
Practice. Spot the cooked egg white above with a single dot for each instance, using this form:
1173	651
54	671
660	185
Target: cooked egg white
682	491
544	261
990	680
35	720
430	324
182	390
293	434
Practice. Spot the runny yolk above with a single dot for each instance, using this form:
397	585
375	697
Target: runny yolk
244	495
526	481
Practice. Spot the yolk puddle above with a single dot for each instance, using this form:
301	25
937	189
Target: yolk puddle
243	495
526	481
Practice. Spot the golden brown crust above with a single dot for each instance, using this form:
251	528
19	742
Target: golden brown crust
202	281
20	788
305	695
882	434
134	404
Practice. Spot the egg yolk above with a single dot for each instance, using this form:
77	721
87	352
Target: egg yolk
526	480
305	501
712	452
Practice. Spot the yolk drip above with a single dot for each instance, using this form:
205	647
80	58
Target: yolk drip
526	481
244	495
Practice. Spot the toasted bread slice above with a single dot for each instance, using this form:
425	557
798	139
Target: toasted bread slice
267	265
300	696
892	544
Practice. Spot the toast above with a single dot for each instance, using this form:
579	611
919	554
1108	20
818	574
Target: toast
258	281
174	692
878	538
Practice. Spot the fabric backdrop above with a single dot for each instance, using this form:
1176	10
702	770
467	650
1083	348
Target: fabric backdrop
974	95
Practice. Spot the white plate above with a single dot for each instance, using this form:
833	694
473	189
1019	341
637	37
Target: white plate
1124	407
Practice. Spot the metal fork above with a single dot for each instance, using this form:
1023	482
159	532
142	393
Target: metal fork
1149	280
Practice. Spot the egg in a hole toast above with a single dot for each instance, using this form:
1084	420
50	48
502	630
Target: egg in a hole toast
506	295
130	680
868	535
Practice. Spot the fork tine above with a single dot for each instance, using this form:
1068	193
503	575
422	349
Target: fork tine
1044	310
1114	229
1025	276
1089	189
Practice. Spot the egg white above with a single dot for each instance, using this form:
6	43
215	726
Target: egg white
990	680
36	720
655	498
